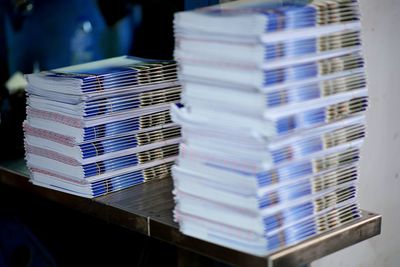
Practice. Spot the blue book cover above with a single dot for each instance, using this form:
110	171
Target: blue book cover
98	148
105	76
313	226
272	15
128	125
109	165
104	186
312	69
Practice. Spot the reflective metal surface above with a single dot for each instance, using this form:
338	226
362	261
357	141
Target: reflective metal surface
147	208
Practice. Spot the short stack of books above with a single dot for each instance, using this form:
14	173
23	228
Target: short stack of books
102	126
274	95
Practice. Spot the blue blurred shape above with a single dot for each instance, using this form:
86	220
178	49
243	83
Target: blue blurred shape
60	33
19	247
192	4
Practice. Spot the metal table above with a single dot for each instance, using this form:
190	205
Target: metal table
147	209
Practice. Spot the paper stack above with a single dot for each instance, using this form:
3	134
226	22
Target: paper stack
274	95
103	126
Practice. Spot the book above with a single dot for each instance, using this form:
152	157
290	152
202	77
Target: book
289	73
278	216
274	95
279	121
102	126
57	127
248	99
96	188
272	46
110	76
260	245
89	152
255	17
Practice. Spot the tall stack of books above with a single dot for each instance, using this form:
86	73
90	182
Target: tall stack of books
274	95
103	126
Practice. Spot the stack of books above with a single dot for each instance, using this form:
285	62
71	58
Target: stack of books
273	120
102	126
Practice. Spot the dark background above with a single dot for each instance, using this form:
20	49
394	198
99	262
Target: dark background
45	34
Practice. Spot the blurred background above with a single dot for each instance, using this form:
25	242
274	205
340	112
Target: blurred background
41	35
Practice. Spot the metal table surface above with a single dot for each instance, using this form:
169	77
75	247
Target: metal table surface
147	209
